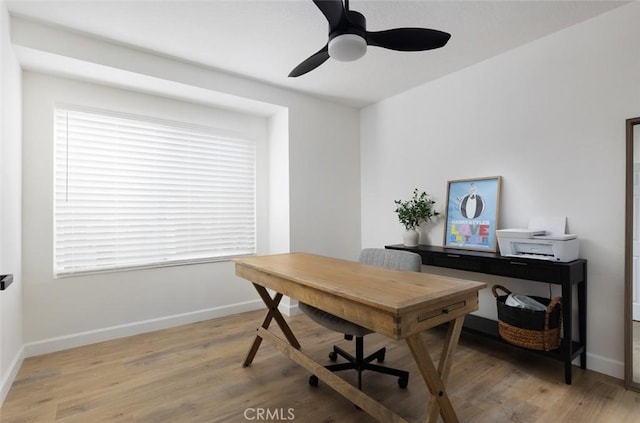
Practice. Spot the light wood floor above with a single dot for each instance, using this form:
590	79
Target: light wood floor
194	374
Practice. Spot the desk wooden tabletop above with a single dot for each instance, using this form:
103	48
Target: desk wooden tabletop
324	282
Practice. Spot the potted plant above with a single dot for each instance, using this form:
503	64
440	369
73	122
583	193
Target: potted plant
413	213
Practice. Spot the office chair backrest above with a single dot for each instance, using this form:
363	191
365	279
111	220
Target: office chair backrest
391	259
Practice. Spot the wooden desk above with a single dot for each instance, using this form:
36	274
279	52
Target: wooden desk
394	303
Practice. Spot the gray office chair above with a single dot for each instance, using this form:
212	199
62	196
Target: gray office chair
392	259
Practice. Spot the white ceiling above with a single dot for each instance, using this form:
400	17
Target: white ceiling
266	39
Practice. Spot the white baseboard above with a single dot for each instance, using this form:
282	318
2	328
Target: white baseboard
289	309
605	365
10	376
91	337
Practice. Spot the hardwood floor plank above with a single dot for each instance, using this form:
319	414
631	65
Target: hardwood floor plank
194	374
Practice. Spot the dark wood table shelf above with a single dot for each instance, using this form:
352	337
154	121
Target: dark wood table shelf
489	328
567	275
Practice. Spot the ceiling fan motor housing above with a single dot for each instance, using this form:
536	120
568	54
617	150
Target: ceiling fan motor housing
348	42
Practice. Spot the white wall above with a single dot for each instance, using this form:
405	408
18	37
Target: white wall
11	352
279	233
313	143
549	117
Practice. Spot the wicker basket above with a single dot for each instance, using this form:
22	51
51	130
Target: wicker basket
536	330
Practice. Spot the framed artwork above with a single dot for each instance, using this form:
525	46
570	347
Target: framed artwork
472	213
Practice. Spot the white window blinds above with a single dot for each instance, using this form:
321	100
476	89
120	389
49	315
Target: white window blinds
137	192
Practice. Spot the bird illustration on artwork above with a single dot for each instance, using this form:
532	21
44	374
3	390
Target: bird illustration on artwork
472	205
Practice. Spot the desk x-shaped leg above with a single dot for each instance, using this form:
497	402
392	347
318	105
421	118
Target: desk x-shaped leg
273	313
436	379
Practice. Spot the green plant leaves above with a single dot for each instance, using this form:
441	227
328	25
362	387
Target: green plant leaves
413	212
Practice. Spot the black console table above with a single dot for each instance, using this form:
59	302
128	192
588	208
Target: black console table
565	274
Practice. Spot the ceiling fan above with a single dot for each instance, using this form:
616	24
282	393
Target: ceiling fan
349	38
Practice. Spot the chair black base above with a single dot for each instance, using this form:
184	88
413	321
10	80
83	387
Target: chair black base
361	363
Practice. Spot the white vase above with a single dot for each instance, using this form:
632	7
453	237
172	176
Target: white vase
410	238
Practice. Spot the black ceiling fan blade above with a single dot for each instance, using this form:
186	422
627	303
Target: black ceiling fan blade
333	10
311	62
408	39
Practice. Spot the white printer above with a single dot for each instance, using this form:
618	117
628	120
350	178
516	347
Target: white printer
541	244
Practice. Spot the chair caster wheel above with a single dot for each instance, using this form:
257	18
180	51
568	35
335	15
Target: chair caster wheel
381	357
333	356
403	382
313	380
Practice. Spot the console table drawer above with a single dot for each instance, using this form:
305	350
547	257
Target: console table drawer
543	272
456	261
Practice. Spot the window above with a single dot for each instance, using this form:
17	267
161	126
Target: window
135	192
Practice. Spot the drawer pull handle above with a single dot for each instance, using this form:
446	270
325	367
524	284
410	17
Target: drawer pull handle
453	255
445	310
518	263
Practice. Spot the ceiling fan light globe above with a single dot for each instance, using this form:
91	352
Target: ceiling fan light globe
347	47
